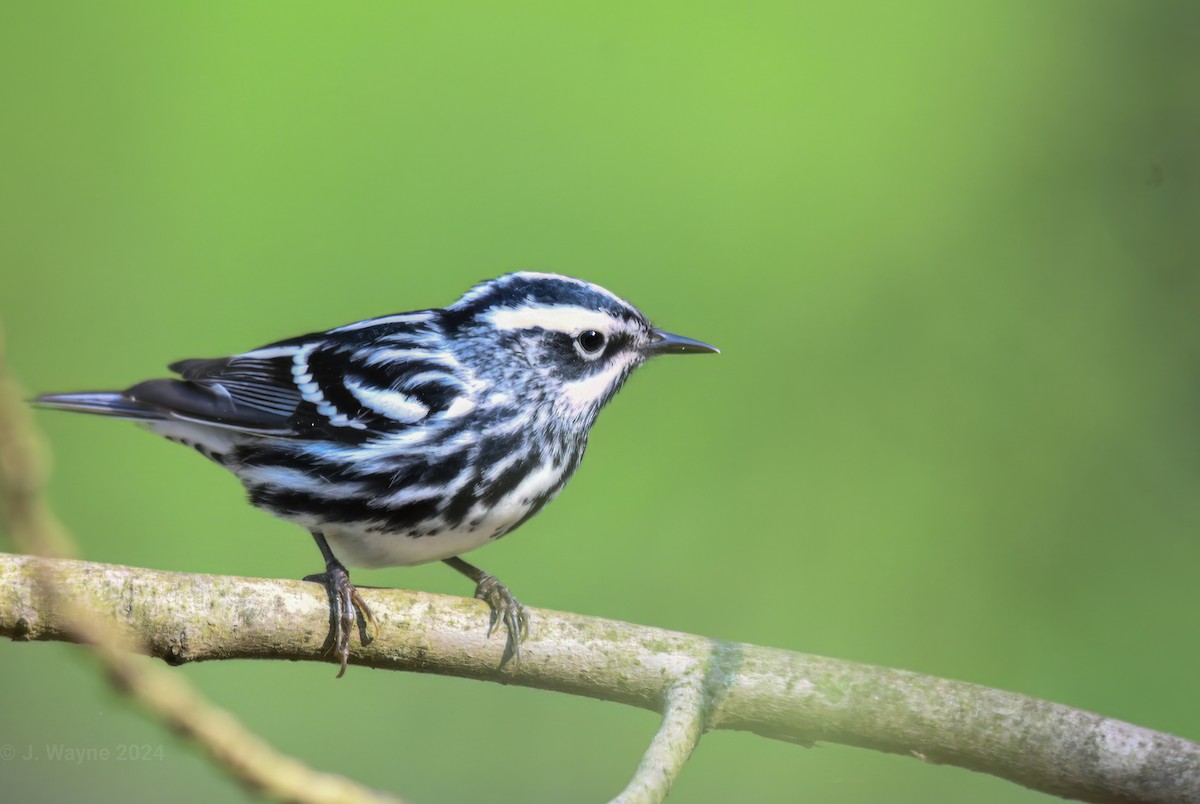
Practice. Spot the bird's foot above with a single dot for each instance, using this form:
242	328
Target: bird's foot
344	602
505	609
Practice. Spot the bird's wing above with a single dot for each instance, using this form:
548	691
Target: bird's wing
345	384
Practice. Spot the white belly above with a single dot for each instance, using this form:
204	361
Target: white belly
362	548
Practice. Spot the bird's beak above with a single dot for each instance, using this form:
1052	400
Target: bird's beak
664	343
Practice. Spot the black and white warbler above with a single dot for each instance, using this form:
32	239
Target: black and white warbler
413	437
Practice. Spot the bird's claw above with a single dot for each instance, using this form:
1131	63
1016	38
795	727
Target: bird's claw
505	609
346	602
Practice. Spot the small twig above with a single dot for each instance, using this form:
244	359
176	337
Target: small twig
682	724
167	696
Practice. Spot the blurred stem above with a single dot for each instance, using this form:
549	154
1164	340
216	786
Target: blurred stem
800	698
42	595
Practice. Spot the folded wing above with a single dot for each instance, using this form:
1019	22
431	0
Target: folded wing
346	384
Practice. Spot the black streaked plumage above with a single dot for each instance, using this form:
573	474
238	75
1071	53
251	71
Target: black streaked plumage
412	437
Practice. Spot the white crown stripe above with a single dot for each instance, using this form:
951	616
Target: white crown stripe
484	288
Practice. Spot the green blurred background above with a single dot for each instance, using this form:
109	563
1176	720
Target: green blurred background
948	250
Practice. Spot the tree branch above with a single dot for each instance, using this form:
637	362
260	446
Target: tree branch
700	682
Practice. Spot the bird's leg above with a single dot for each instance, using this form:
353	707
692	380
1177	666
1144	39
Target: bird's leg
505	608
344	599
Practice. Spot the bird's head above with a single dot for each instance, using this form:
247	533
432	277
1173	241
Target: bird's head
545	338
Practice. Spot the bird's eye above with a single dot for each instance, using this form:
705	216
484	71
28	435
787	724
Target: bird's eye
590	342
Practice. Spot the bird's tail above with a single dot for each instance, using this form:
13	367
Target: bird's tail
103	403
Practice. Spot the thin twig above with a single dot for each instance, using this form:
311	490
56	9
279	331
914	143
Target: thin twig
167	696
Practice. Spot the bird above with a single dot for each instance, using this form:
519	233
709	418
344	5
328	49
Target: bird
409	438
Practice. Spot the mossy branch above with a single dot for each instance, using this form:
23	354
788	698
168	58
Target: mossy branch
790	696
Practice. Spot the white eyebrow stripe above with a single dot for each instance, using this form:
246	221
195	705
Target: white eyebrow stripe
556	317
393	404
401	318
